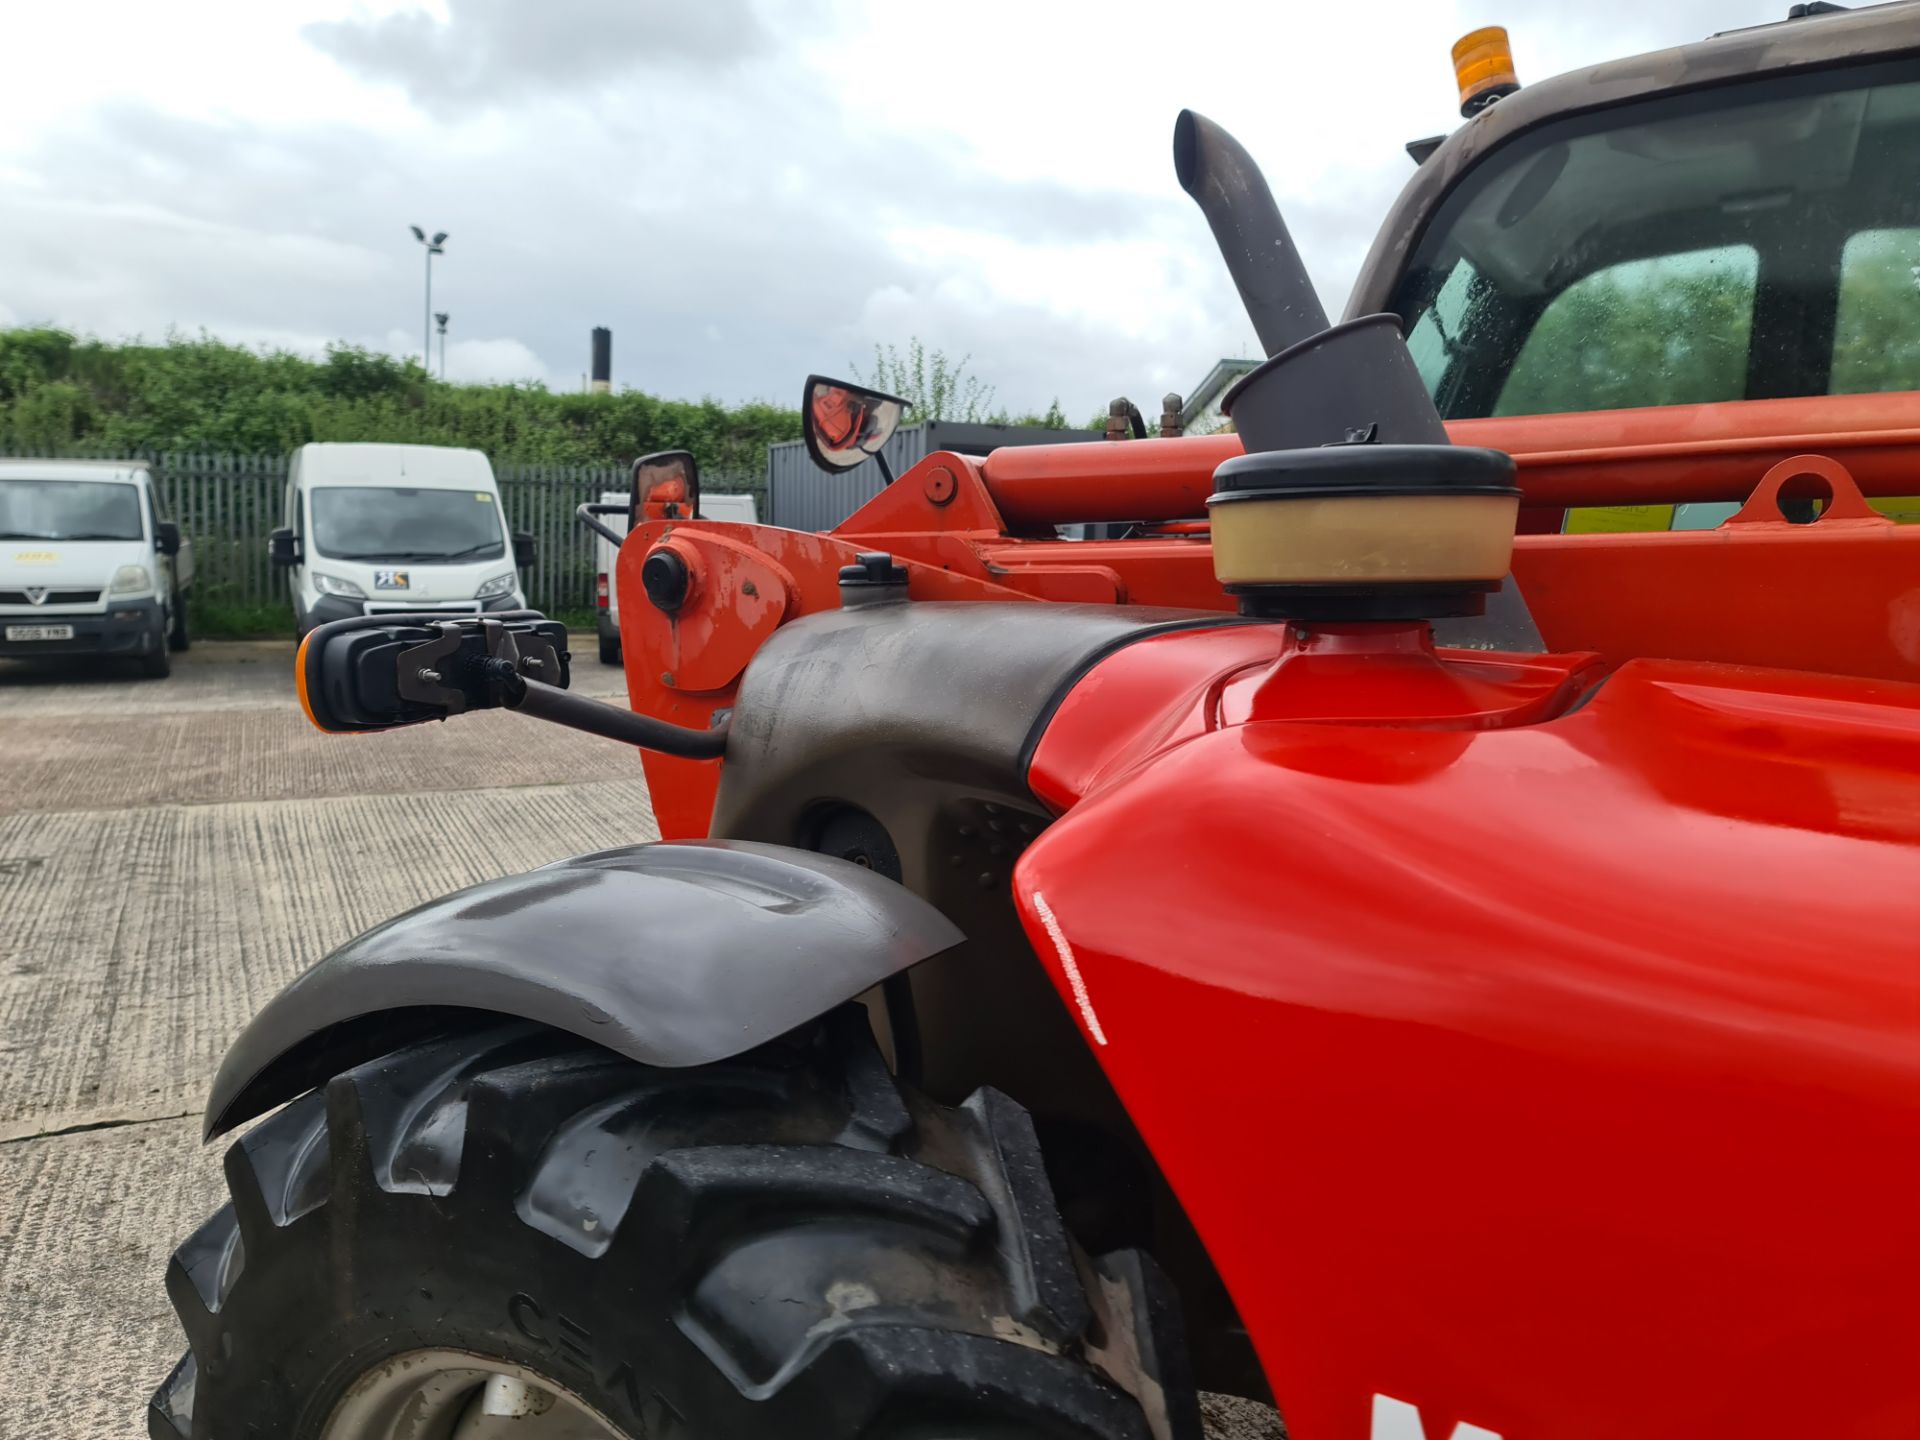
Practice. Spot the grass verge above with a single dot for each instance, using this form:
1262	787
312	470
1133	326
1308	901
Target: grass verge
212	618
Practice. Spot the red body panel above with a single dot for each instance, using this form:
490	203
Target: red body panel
1831	596
1559	1078
1840	595
1533	1039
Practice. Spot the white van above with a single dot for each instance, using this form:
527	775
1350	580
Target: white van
606	618
89	563
382	529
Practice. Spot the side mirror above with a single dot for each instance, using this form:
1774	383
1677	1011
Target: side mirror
283	547
666	486
375	672
847	424
523	551
166	537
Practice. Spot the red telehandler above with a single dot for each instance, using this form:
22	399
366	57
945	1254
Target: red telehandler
1367	940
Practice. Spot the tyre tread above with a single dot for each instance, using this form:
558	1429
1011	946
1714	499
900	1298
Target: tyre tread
977	1298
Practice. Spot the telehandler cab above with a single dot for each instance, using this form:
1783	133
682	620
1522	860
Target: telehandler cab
1370	945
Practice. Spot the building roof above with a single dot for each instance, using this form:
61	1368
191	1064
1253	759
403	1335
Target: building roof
1223	374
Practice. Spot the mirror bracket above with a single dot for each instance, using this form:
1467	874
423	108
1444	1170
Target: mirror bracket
424	671
453	675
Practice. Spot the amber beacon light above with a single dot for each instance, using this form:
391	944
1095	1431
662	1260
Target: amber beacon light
1483	64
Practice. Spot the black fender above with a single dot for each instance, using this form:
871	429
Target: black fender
670	954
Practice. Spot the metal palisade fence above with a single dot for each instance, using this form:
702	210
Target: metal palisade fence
540	499
228	505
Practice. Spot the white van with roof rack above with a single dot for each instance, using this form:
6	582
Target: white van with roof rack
89	563
391	529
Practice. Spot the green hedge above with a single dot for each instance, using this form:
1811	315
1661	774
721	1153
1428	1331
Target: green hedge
59	393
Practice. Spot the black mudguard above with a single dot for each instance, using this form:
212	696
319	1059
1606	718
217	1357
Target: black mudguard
671	954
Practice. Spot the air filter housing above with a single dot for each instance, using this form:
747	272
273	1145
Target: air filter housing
1364	531
1350	503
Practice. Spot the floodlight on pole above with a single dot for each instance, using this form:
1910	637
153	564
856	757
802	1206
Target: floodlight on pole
435	246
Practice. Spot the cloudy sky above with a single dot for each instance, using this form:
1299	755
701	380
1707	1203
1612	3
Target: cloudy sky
744	190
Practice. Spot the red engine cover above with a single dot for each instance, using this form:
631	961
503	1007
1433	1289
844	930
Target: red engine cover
1557	1079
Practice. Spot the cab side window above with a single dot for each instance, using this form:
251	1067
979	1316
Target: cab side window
1876	331
1438	336
1663	330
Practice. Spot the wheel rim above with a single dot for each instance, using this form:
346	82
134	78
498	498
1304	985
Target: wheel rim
451	1395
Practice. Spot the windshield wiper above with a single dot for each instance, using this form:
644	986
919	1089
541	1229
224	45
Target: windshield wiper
27	535
422	557
472	552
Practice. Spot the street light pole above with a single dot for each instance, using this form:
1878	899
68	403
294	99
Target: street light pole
440	319
435	246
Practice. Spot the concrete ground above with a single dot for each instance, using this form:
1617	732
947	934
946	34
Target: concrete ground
172	852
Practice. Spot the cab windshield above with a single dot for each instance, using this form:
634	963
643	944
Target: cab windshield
379	523
69	510
1745	242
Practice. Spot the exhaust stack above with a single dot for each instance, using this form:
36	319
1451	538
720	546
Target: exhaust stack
1216	170
602	360
1321	385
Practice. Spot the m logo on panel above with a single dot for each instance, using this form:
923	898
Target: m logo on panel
1397	1420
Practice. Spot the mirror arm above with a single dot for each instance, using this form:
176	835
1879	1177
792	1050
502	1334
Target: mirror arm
880	459
585	515
596	717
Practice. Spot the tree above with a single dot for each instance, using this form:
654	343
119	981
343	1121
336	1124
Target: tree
940	388
937	387
1052	418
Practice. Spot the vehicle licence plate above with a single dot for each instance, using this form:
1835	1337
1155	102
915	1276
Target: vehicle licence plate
39	632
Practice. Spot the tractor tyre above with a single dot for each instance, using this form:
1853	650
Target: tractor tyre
518	1234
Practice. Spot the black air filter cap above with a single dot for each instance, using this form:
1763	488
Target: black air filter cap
1364	470
1360	531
